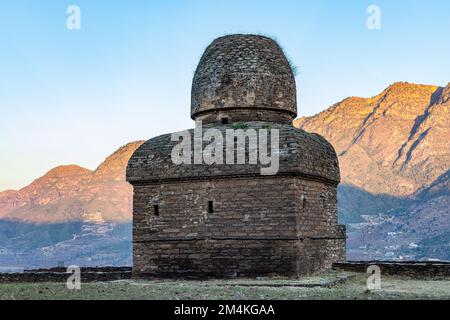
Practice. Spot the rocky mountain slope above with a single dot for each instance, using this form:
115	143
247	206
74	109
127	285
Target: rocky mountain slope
394	152
57	186
71	215
394	143
75	194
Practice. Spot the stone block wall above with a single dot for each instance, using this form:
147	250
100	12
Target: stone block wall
235	258
412	269
242	115
258	226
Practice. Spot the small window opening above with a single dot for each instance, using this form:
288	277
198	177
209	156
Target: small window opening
303	200
210	207
224	120
156	210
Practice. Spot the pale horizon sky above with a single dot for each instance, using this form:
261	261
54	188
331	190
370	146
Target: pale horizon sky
75	96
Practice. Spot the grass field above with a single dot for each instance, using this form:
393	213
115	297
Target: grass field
324	286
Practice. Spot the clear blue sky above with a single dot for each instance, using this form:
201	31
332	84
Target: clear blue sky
73	97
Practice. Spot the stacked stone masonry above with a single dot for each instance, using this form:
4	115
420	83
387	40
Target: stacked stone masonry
244	72
203	221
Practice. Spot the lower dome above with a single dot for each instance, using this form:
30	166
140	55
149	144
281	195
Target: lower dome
300	153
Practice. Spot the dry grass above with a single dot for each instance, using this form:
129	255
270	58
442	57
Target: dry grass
353	288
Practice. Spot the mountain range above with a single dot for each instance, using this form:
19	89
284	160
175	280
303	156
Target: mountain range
70	215
394	153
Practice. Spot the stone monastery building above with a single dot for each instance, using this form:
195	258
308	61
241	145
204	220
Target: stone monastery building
229	220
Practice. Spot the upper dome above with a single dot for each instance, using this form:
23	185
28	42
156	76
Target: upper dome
244	78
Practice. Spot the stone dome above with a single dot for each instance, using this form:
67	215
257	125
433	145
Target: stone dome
301	154
244	78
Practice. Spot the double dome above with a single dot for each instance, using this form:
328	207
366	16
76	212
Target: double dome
241	78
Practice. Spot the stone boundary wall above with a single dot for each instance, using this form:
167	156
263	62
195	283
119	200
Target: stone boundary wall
60	275
415	269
